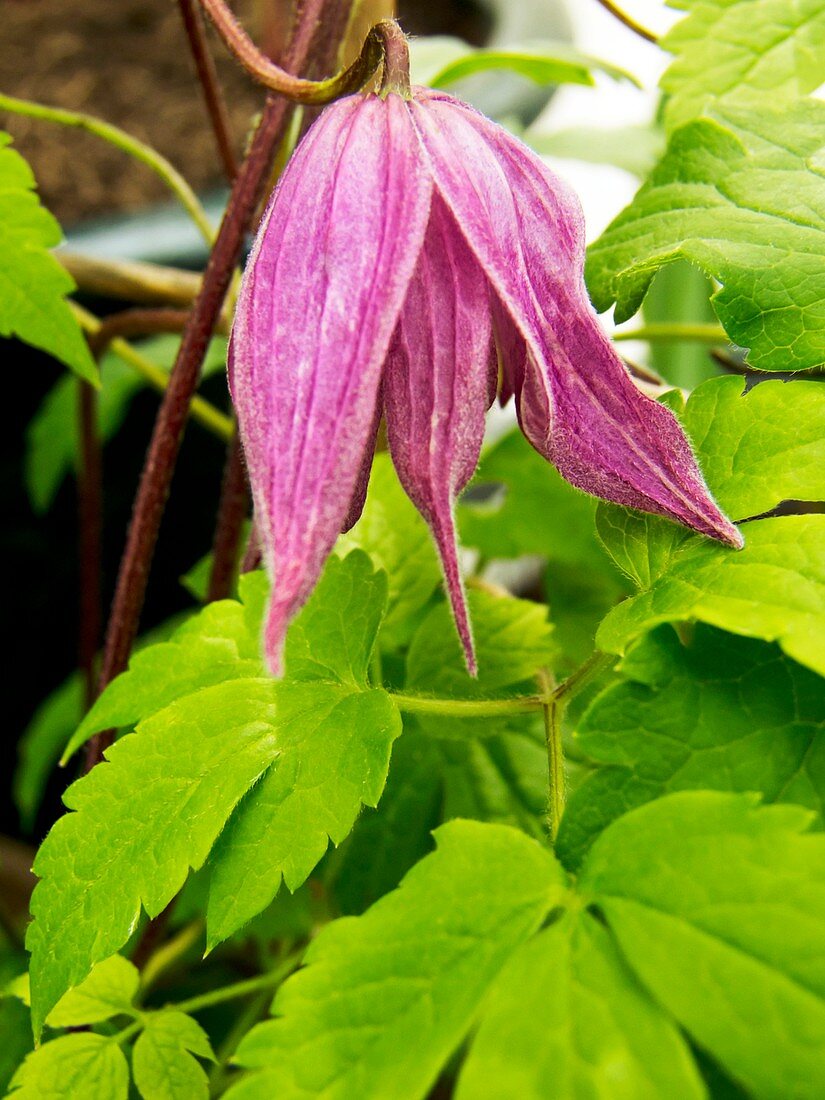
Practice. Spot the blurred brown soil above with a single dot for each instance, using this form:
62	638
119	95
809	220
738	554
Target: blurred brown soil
126	61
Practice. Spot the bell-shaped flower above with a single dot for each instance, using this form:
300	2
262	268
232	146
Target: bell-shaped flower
414	258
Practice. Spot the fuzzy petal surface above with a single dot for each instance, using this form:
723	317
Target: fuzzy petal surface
320	299
578	405
437	388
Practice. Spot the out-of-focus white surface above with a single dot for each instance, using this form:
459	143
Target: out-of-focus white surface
605	190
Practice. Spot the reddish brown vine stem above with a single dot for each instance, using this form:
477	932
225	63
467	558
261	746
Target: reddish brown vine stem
279	80
232	510
168	430
210	86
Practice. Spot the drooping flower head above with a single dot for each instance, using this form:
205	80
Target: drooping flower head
415	258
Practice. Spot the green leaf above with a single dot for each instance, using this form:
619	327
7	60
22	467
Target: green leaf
16	1029
334	753
83	1064
540	62
721	713
513	641
140	822
108	991
756	450
387	997
33	285
741	196
213	647
567	1018
719	906
395	536
680	294
52	434
635	149
734	50
334	637
162	1061
42	743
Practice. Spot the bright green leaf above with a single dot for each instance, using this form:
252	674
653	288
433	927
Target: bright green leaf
333	638
773	589
513	641
33	285
718	905
756	450
212	647
742	197
108	991
73	1066
721	713
162	1061
52	434
734	50
334	753
140	822
540	62
568	1019
388	996
396	538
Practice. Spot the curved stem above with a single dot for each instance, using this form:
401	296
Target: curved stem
665	331
552	711
628	21
242	989
131	280
207	415
139	150
396	75
272	76
208	78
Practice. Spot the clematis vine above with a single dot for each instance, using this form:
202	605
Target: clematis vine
414	261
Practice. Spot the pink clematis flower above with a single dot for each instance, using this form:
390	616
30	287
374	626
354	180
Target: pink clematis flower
413	254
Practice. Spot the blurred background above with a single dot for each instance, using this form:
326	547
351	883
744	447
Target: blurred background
127	62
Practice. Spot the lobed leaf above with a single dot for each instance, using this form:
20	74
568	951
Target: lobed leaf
33	285
717	713
386	997
162	1061
733	50
567	1018
83	1064
718	905
757	450
141	821
334	754
740	195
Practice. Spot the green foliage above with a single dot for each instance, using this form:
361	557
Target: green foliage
440	61
756	450
718	905
713	910
387	997
742	196
162	1062
34	286
42	743
729	51
632	148
83	1064
52	437
720	713
208	725
108	991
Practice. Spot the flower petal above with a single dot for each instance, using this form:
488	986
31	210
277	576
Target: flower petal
578	405
320	298
437	390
